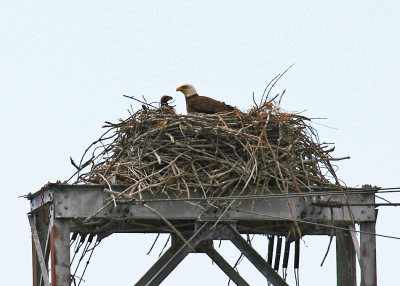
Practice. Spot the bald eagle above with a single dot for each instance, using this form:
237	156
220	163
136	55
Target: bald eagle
164	104
202	104
164	100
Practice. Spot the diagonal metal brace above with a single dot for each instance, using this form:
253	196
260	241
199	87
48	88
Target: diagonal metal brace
39	251
157	266
228	270
164	269
255	258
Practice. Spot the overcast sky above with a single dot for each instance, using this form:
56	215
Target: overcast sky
64	66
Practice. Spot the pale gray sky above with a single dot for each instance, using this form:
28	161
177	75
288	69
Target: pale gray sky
64	66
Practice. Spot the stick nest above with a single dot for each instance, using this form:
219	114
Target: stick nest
161	151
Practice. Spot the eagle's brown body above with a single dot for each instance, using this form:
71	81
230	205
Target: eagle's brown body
202	104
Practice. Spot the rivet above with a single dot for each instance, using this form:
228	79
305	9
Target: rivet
66	207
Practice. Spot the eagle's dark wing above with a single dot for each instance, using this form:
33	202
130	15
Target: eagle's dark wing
204	104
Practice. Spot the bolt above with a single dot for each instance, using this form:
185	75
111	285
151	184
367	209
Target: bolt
66	207
59	201
65	195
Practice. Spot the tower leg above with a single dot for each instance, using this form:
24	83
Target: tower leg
368	254
60	257
39	271
345	258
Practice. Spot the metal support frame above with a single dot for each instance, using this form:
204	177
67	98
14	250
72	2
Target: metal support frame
60	252
255	258
167	262
70	205
345	258
164	269
368	254
38	254
226	267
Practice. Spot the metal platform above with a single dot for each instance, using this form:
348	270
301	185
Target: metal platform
195	222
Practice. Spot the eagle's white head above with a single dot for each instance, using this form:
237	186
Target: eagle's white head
188	90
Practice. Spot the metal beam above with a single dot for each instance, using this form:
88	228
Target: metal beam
39	253
35	270
356	244
82	201
255	258
60	252
202	233
228	270
368	254
46	250
156	267
278	253
345	259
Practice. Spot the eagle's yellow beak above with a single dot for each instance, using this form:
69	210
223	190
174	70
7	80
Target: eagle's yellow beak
179	89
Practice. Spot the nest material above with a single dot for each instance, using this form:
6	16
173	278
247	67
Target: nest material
161	151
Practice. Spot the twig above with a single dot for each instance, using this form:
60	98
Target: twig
140	101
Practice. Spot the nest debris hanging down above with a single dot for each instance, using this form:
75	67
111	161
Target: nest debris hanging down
160	151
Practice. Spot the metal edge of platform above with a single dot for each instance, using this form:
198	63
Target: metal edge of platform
82	201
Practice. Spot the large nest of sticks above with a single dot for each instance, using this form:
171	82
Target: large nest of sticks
157	150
